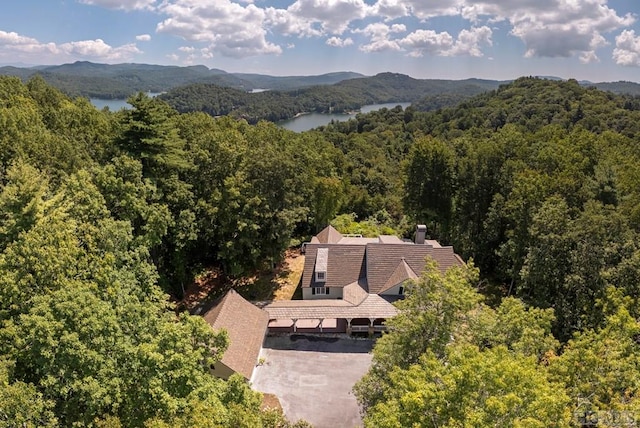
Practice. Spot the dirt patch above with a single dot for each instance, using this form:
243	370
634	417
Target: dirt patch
270	402
288	279
279	283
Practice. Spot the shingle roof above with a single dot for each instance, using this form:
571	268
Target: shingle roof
245	324
373	306
390	239
402	273
328	235
372	262
354	293
382	261
345	264
356	240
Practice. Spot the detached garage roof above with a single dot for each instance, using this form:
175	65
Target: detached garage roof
246	326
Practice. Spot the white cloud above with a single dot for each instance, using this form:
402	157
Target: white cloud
469	42
229	28
242	28
379	34
627	51
14	42
589	57
553	28
422	42
98	49
381	45
333	16
428	9
282	22
206	53
121	4
379	30
30	49
391	9
143	37
337	42
429	42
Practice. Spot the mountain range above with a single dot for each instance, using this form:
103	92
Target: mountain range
119	81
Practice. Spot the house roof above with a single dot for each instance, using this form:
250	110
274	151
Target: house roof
345	265
354	293
373	306
374	263
246	326
328	235
382	261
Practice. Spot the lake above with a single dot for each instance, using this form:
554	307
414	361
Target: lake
116	104
301	123
309	121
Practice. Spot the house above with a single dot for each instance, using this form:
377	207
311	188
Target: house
349	282
246	326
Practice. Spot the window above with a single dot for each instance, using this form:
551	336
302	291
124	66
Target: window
321	276
319	290
401	290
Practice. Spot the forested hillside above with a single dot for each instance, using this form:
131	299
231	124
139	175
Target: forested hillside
103	214
119	81
97	210
342	97
537	182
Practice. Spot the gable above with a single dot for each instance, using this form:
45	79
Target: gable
402	273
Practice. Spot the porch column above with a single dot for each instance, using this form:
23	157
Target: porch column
349	326
295	320
321	319
371	321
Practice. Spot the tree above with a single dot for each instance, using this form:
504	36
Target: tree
494	387
22	405
482	178
429	184
600	367
449	360
22	201
326	200
547	262
434	308
150	135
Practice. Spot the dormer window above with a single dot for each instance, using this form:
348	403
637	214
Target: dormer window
322	257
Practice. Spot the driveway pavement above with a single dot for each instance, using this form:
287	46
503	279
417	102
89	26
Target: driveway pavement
313	377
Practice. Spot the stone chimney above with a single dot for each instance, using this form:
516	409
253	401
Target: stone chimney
421	234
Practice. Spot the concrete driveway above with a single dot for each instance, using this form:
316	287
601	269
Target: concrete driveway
313	377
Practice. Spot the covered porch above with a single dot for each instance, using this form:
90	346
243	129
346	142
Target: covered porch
329	316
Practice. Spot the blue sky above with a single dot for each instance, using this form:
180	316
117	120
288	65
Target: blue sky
595	40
